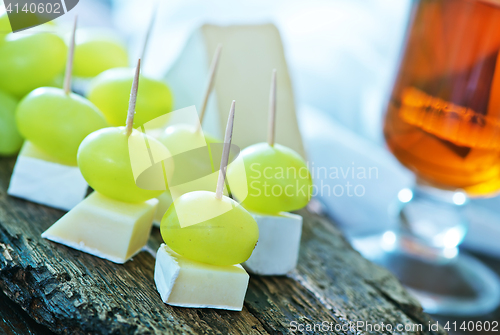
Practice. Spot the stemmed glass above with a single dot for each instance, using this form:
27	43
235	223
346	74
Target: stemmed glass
443	123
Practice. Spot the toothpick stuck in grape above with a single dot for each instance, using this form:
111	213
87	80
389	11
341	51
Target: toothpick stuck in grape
210	84
225	153
133	99
69	61
272	111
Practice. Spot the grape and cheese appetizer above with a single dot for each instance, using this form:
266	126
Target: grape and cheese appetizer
278	181
54	122
192	147
115	221
206	236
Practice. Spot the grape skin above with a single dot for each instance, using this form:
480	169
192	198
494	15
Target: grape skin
110	92
183	137
192	163
260	160
10	139
4	26
28	61
57	123
103	159
226	239
95	54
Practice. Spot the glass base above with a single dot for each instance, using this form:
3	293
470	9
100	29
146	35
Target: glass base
460	286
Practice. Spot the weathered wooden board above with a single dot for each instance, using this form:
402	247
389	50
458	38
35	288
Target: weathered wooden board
74	293
15	321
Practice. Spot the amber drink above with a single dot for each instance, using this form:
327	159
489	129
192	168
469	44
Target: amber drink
443	118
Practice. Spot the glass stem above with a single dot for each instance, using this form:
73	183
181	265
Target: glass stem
431	223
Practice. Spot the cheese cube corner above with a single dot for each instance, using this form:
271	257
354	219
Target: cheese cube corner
39	178
277	250
186	283
104	227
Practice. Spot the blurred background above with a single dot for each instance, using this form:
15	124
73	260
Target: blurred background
343	58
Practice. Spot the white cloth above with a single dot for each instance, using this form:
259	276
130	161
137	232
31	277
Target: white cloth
342	56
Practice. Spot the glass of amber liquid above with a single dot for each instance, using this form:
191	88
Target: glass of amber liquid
443	123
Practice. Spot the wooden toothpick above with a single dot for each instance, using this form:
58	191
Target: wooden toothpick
225	153
69	61
271	126
210	83
133	99
148	32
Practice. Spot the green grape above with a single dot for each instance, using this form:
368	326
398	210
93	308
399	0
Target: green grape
4	26
10	139
192	158
104	160
57	123
211	139
227	237
95	53
277	179
182	138
110	92
28	61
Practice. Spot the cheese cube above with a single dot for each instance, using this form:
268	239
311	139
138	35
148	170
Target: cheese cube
164	202
186	283
277	250
249	55
105	227
39	178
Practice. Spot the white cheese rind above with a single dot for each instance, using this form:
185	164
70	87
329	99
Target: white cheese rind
105	227
45	181
277	250
186	283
